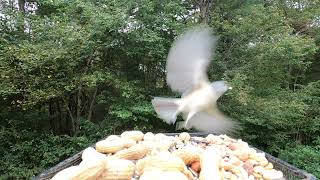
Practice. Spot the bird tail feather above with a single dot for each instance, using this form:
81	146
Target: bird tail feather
166	108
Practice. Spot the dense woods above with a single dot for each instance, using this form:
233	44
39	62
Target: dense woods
72	72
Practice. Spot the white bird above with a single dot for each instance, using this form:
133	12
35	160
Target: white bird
187	64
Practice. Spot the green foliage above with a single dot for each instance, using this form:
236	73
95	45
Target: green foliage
72	72
304	157
32	152
266	63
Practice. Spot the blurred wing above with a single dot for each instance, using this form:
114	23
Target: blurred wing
213	121
188	60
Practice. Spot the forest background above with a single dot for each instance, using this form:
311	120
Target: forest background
74	71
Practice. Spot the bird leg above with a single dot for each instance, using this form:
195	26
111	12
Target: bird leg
190	115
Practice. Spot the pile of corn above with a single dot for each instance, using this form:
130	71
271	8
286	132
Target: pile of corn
135	155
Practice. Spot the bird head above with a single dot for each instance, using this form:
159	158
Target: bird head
220	87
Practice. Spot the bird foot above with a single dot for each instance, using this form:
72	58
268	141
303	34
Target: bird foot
182	125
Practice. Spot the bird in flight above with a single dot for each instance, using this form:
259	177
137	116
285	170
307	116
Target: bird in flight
186	68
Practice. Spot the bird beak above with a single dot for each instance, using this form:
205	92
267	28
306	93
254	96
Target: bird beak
230	88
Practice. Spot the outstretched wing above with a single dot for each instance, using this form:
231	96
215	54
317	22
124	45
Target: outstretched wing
213	122
189	59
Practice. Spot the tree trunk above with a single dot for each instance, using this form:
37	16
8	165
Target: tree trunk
21	4
72	123
92	103
266	3
205	10
78	115
59	118
51	116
